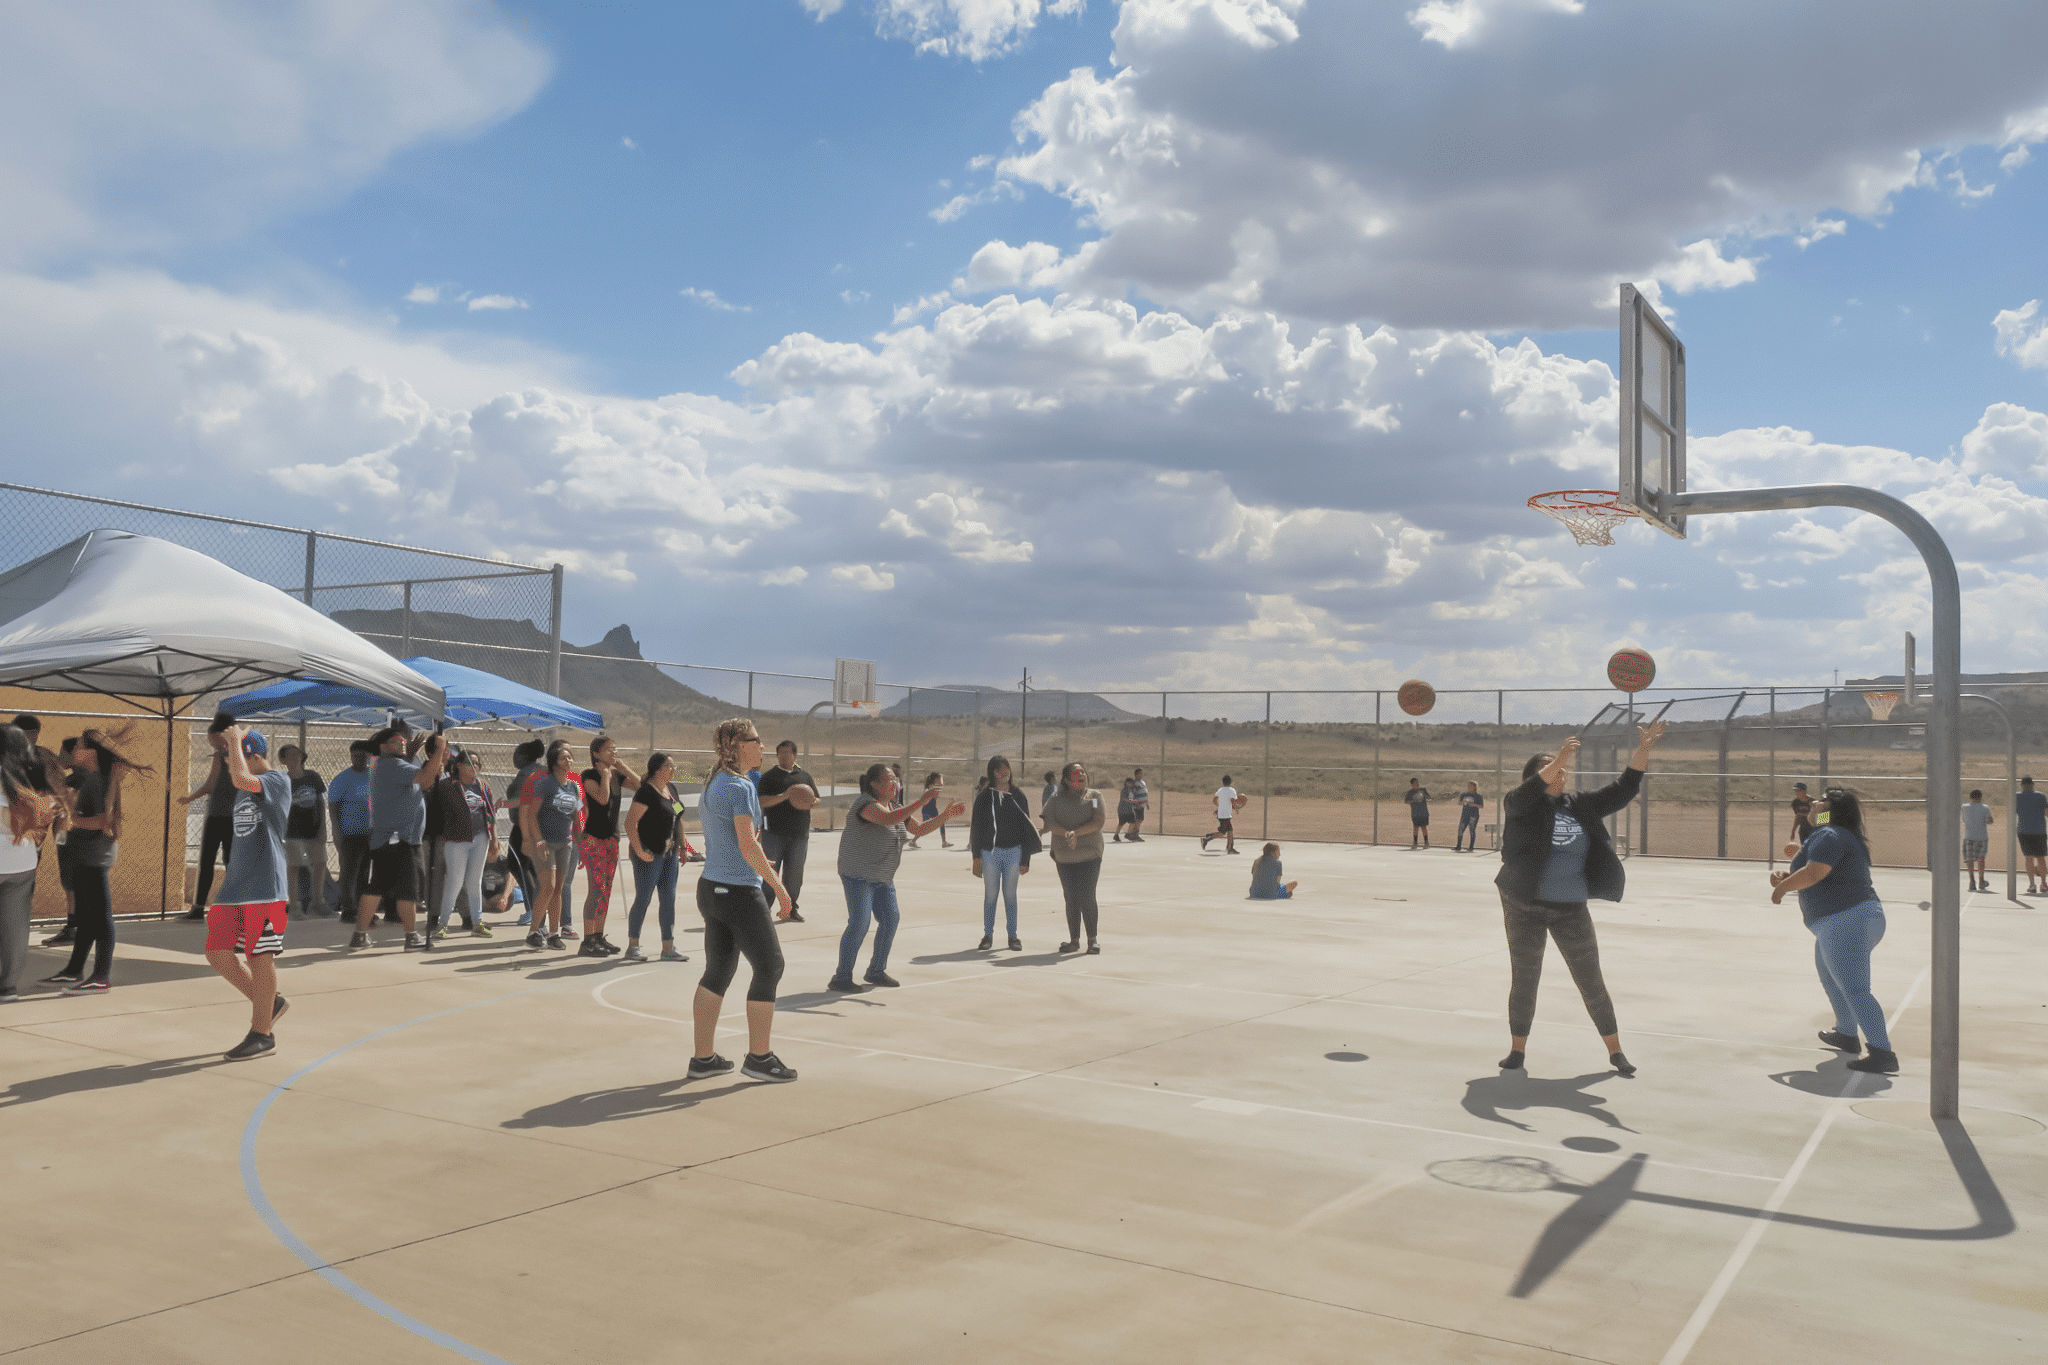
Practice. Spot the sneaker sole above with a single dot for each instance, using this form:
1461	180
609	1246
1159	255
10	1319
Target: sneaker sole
754	1075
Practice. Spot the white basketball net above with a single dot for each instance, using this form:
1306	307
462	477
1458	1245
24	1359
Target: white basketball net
1590	514
1881	704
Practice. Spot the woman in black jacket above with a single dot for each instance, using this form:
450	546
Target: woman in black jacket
1555	856
1002	841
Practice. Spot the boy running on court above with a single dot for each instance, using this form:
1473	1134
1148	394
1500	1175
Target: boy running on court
247	918
1228	804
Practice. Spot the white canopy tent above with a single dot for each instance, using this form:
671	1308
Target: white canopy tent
132	616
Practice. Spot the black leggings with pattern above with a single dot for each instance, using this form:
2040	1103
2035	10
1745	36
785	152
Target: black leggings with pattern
1571	927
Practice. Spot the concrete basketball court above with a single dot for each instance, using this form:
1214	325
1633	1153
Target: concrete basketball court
1245	1132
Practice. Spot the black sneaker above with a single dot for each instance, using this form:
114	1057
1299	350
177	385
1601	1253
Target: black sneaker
592	947
1205	842
845	985
277	1009
610	948
255	1045
1842	1042
874	978
60	938
1070	947
197	912
1230	850
766	1067
535	942
1016	945
796	916
1881	1060
987	942
555	941
358	940
64	979
1094	947
714	1065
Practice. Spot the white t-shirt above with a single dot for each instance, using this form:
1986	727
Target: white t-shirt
15	857
1225	796
1977	821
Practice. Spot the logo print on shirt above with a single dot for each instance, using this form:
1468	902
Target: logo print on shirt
1563	831
248	814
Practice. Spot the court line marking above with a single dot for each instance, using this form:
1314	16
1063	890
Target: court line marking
259	1199
1696	1325
1027	1073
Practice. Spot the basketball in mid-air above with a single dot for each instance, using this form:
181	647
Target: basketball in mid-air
1631	670
1416	697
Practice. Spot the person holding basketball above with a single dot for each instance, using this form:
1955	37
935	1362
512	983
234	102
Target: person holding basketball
1228	804
1556	857
1470	803
1417	797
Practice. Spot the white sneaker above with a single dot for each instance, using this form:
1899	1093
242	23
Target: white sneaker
632	954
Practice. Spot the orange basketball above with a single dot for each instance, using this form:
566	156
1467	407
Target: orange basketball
1416	697
1631	670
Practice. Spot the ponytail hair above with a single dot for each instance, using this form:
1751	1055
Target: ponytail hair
726	740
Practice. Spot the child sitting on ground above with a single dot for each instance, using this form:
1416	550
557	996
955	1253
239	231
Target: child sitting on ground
1266	884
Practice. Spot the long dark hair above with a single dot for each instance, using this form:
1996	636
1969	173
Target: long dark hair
656	761
27	808
874	774
558	751
103	742
997	762
1846	812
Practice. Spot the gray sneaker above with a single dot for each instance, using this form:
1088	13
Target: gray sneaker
671	955
359	940
767	1067
632	954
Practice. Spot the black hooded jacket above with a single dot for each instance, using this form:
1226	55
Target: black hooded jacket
1525	835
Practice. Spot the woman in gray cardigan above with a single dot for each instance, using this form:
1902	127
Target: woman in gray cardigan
1555	857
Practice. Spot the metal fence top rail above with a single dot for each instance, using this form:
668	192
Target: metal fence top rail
272	526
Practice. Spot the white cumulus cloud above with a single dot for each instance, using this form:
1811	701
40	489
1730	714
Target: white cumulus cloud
494	303
2021	336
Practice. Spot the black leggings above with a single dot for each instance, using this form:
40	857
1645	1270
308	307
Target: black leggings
216	837
1572	928
736	922
1077	883
95	922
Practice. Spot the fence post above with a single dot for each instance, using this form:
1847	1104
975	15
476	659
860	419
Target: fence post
1067	735
1771	796
1375	769
1266	805
1162	763
312	537
750	693
405	636
174	776
909	737
1822	775
1721	801
555	629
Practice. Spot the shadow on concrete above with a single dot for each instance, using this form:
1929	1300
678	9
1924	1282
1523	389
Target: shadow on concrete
1593	1204
1351	1057
1828	1079
808	1002
964	955
624	1102
1033	959
104	1078
581	967
1488	1095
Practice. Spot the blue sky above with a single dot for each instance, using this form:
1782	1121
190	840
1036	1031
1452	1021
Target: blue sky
1251	327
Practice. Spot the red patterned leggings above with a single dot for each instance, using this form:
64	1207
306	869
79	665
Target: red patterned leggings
601	861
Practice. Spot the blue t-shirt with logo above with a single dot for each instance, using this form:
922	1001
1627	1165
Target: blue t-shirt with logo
727	796
556	803
1847	884
1564	876
255	874
2030	813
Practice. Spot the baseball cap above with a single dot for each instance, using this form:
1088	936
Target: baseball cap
1799	786
254	743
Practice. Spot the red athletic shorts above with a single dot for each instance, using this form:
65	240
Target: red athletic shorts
252	930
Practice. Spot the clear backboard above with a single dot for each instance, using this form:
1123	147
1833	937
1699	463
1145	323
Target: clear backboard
1652	413
853	681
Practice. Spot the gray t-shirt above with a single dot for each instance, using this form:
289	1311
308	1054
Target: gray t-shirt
1564	876
1266	875
556	801
90	847
1070	809
1976	822
220	797
869	852
398	808
256	874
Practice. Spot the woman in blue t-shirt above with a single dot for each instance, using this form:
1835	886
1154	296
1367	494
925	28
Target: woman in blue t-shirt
1831	873
730	897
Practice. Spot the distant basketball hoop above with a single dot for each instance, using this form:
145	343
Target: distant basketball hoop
1590	514
1881	704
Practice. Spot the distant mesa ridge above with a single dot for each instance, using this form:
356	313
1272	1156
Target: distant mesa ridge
998	703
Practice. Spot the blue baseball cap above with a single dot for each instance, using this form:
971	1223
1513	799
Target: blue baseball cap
255	743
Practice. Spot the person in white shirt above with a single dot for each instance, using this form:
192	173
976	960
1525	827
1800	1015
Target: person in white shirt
1228	804
1977	823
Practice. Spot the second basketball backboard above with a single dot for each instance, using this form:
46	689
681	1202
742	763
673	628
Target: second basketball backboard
1652	414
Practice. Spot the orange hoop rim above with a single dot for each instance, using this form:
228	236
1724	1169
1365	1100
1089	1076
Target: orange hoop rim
1590	514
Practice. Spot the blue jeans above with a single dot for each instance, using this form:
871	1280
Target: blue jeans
999	873
659	875
1842	943
1468	824
867	901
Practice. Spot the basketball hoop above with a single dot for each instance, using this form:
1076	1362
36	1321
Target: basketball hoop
1881	704
1590	514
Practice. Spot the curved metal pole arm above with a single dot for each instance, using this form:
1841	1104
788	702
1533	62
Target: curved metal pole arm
1944	768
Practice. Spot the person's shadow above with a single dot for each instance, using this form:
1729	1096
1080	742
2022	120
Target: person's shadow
1486	1096
622	1102
1830	1078
104	1078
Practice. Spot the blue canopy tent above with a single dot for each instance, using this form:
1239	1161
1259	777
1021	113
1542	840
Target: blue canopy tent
474	698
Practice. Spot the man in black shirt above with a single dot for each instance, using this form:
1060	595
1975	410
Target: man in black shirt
787	795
